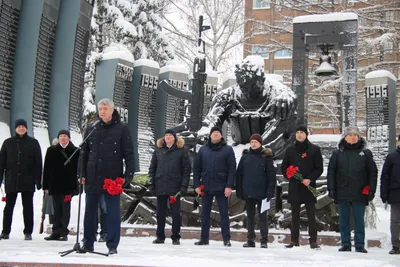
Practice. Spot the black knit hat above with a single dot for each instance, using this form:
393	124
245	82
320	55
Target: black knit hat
63	131
302	128
256	137
21	122
215	128
170	131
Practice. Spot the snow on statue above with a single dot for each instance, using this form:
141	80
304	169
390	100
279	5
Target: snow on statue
254	105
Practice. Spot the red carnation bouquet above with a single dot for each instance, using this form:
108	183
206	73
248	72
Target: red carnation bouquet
172	199
113	187
366	190
3	197
197	199
67	198
292	171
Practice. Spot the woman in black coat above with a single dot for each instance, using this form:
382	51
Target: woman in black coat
169	173
255	181
308	158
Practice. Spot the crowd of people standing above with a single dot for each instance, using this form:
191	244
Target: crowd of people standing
108	154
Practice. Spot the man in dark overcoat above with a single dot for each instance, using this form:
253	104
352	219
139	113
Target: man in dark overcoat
102	157
21	165
351	170
60	182
169	173
215	168
307	157
255	181
390	193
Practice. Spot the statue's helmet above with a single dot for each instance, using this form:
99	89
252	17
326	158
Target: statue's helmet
250	70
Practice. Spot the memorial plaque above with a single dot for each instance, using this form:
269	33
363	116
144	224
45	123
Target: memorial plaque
122	89
78	75
9	19
44	60
381	124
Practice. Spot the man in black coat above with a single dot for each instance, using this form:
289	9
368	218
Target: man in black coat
390	193
215	169
102	157
170	173
255	181
307	157
351	168
59	181
21	160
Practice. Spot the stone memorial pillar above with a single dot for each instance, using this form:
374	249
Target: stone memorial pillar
170	109
380	92
33	62
68	69
114	81
142	111
9	14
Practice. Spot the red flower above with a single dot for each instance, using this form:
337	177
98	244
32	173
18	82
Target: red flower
366	190
202	194
4	199
172	200
201	186
67	198
113	187
291	171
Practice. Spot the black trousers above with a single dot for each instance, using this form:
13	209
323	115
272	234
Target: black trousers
62	212
27	204
251	211
162	202
312	223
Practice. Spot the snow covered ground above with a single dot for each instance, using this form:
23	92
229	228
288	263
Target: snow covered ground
141	252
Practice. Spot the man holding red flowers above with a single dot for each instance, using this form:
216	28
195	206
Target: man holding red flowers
308	159
102	157
352	178
169	174
215	169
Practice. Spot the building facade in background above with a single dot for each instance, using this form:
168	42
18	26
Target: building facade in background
271	26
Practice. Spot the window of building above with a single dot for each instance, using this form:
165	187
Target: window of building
283	54
261	3
260	50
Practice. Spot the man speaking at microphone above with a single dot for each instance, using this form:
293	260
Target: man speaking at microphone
102	158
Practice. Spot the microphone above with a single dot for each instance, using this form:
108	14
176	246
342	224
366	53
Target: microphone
95	123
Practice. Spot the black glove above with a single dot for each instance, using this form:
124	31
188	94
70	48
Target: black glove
332	194
38	186
269	197
183	191
370	196
151	189
384	198
126	185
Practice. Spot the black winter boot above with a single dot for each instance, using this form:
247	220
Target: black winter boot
227	243
158	241
249	244
292	244
264	244
395	251
345	249
361	250
201	242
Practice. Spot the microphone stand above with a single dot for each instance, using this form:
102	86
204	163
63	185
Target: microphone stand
77	247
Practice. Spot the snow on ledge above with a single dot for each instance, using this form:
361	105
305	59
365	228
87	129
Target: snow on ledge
229	76
380	74
324	137
272	76
115	50
174	68
340	16
212	73
146	62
